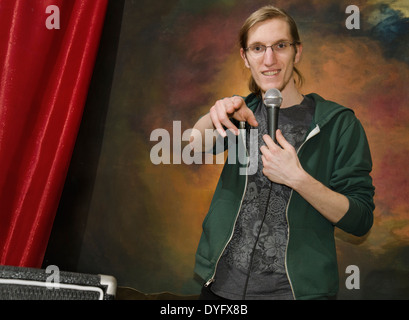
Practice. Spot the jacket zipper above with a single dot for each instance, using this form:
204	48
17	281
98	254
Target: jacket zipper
313	133
242	129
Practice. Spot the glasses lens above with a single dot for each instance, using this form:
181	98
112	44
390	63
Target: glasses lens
257	49
281	46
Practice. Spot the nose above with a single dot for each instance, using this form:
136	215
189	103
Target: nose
269	56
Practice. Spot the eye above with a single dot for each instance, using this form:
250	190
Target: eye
257	48
281	46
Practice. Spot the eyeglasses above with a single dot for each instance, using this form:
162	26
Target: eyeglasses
258	50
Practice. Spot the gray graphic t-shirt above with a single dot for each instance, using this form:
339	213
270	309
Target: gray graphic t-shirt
267	279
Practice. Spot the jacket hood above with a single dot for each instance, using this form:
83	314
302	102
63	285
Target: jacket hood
324	109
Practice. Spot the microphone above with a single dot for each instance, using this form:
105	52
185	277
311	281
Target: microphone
272	100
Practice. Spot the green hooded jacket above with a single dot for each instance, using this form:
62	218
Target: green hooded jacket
336	153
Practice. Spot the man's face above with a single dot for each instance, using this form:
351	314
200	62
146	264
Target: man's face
272	70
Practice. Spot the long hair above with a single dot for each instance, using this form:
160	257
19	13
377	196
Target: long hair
261	15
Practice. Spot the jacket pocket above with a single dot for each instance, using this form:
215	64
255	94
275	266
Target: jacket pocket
312	262
217	228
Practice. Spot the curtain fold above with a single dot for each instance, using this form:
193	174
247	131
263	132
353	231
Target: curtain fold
44	80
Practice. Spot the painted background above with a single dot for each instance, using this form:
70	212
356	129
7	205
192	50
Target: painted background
170	61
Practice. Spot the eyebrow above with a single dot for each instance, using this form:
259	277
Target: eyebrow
278	41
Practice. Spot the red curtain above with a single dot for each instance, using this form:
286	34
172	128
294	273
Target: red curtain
44	79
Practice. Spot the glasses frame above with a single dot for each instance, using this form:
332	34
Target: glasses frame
272	48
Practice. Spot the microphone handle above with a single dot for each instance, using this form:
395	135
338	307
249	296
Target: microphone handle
272	120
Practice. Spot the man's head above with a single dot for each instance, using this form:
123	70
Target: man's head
270	47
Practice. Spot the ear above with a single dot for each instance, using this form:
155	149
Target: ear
298	55
244	57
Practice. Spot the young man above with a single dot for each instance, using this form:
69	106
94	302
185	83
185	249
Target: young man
270	235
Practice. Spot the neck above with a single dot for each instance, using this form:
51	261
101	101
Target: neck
289	101
291	95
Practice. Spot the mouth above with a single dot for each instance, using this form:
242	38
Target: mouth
270	73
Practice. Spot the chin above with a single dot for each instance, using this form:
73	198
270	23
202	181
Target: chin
275	86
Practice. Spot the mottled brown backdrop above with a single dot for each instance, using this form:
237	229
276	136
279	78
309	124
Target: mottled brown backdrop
169	60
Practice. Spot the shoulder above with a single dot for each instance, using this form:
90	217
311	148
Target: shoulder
252	101
327	110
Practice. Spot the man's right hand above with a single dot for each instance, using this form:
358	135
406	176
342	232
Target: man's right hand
227	108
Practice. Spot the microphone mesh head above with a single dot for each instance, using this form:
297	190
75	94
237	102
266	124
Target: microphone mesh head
273	98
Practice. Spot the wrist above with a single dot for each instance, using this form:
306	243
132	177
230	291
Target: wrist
301	179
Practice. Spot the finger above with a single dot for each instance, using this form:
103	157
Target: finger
216	122
282	141
269	142
230	126
266	155
250	118
231	105
265	170
264	150
237	102
243	112
264	160
225	120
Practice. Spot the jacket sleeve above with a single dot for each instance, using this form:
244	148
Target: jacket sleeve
351	178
